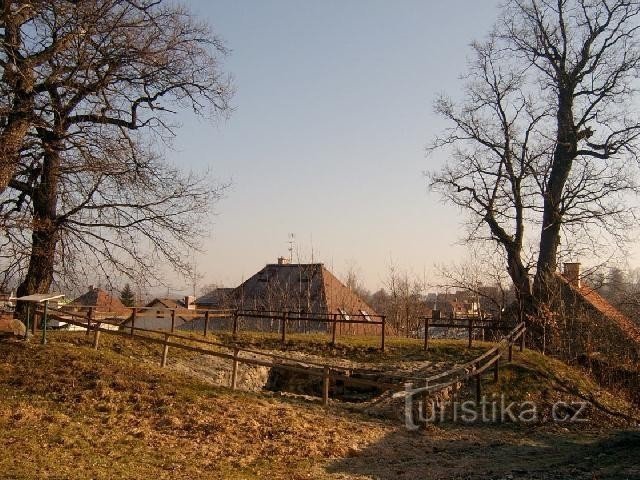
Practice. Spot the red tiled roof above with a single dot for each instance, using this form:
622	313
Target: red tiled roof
595	300
102	300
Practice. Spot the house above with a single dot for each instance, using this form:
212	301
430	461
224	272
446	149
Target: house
215	299
158	313
303	287
594	326
461	304
105	304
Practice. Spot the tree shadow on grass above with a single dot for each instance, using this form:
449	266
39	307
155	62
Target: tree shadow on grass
482	452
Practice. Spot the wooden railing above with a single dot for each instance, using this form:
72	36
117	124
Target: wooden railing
474	368
327	372
470	324
285	319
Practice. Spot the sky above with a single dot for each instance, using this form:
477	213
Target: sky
332	113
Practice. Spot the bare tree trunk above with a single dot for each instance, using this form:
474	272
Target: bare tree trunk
45	228
563	156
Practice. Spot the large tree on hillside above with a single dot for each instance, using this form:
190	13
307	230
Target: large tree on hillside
498	150
547	132
88	183
586	55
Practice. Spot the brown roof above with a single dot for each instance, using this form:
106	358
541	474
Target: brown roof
167	303
596	301
218	298
298	287
102	300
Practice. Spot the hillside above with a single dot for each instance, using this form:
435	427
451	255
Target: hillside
67	411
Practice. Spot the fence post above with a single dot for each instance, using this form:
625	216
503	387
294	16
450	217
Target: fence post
522	341
44	323
235	324
325	386
88	322
283	327
470	332
206	323
35	320
165	351
234	369
510	351
333	329
173	320
133	320
496	366
96	336
28	319
382	337
426	334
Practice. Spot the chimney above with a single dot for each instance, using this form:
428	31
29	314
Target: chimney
283	261
189	302
572	273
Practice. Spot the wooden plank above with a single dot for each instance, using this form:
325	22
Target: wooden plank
325	386
96	338
426	334
333	330
234	369
283	328
165	352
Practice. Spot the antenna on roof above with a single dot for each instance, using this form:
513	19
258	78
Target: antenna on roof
292	241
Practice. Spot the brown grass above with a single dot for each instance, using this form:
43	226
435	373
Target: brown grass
67	411
71	412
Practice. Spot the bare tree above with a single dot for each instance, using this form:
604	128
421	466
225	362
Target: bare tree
19	61
88	181
497	153
402	300
483	275
546	133
586	56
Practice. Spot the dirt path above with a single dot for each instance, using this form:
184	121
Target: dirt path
475	453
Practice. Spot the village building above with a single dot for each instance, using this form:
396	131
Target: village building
304	288
103	303
160	313
594	326
217	299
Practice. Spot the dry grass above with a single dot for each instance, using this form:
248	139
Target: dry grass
67	411
70	412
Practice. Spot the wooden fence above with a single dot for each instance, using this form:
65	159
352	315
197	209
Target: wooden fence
283	319
470	324
476	368
327	372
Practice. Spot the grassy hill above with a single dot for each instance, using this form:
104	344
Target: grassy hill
67	411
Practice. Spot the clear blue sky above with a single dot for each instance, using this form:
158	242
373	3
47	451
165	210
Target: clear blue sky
333	111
